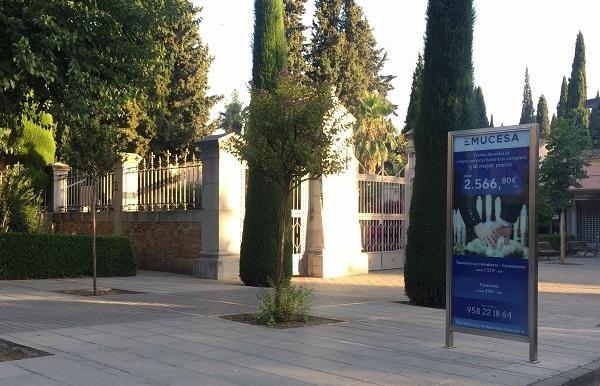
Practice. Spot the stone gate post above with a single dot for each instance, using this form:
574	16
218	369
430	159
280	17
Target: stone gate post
222	203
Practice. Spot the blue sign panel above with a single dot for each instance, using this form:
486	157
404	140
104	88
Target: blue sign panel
490	267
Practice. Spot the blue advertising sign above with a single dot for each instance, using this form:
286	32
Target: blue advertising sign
490	230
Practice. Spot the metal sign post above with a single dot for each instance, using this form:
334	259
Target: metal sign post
491	234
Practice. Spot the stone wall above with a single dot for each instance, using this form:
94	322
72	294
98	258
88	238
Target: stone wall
162	241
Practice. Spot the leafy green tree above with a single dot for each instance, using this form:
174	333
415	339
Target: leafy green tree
80	61
595	124
527	111
233	118
176	108
327	42
259	251
542	117
564	167
291	147
561	108
492	120
480	110
411	113
578	83
374	132
294	33
445	104
94	150
344	52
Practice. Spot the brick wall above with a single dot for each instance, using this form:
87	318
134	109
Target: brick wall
162	241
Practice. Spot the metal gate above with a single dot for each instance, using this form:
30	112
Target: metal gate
381	216
299	223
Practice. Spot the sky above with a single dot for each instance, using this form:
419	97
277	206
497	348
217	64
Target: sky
509	36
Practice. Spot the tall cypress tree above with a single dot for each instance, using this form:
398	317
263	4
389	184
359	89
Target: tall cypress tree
294	33
445	104
259	252
481	119
561	108
411	113
542	117
595	124
527	111
578	83
492	120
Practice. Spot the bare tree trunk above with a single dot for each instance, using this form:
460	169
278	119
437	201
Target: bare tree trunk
94	236
563	257
281	258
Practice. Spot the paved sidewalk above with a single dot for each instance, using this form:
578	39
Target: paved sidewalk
172	335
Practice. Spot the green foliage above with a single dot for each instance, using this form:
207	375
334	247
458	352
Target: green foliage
344	53
283	304
411	113
527	111
180	104
287	149
233	118
578	83
554	240
270	47
562	107
595	125
564	166
80	61
445	104
35	146
480	110
259	251
19	201
294	33
492	120
374	132
43	256
542	117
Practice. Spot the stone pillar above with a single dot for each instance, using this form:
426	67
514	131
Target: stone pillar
314	231
126	189
222	201
58	200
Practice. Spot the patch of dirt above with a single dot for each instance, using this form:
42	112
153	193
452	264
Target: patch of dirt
410	303
100	292
10	351
312	321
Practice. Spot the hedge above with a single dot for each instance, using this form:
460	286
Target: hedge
43	256
554	240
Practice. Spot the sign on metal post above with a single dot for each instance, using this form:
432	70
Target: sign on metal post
491	265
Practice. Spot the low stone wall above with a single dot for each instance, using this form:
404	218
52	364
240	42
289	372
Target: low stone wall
162	241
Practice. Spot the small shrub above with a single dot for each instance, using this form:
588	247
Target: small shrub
554	240
283	304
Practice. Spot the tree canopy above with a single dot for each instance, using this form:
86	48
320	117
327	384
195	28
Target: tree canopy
344	53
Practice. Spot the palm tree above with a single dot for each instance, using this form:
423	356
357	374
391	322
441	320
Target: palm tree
374	132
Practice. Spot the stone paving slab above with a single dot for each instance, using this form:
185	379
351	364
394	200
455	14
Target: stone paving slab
172	335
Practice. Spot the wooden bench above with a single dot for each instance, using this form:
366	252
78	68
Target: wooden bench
544	249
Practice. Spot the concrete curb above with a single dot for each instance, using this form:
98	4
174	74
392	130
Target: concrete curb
586	375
